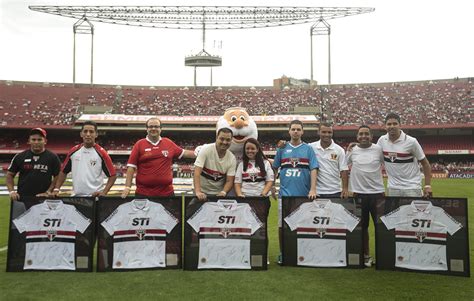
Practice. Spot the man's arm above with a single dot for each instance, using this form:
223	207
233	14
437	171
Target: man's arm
49	191
128	181
345	184
197	184
188	154
425	164
9	181
229	183
59	182
108	185
314	177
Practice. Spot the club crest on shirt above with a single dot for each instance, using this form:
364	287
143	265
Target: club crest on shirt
140	233
165	153
333	156
420	235
253	176
321	232
51	234
294	161
36	158
392	156
93	162
225	232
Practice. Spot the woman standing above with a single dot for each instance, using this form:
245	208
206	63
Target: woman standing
254	175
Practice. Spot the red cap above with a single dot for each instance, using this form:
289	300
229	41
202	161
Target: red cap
38	131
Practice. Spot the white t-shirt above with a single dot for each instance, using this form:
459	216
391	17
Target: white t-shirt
331	162
51	235
321	228
252	180
214	169
139	230
224	229
366	171
420	235
401	161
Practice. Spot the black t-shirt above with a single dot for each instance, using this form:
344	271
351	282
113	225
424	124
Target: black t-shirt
36	171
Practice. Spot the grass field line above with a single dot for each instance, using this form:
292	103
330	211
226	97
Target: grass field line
3	248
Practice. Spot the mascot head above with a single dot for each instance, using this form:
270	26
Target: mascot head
242	126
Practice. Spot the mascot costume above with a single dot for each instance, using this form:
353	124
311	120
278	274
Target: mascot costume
242	126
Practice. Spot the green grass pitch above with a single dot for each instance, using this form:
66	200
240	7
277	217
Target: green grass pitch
276	283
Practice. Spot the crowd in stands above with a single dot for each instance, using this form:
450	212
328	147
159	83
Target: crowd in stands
419	103
452	166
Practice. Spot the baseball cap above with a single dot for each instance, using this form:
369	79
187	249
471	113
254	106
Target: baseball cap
39	131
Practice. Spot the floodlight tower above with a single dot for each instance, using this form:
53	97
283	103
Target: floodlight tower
203	58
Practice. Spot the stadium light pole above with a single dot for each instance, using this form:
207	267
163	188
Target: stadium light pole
321	27
83	26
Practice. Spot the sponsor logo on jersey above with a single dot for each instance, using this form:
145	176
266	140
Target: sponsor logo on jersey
148	149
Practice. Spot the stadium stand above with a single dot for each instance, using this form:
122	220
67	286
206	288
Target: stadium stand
420	103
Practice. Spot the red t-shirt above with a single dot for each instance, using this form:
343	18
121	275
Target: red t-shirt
153	164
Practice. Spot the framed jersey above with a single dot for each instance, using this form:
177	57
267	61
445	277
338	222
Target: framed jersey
423	235
51	234
226	233
321	233
137	234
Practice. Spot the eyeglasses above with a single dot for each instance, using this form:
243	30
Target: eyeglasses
154	126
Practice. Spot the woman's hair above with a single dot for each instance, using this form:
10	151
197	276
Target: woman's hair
259	158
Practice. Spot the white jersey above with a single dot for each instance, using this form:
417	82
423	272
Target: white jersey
321	228
253	180
224	229
332	160
139	230
366	171
50	229
401	161
420	235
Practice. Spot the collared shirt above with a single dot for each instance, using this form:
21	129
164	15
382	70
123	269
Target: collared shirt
401	161
331	162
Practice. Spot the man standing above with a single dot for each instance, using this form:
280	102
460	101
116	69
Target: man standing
332	165
215	166
298	169
37	166
401	155
152	158
366	181
89	164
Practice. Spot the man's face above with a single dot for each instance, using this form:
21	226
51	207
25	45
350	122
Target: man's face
393	127
88	135
296	132
364	137
325	134
223	141
37	143
153	128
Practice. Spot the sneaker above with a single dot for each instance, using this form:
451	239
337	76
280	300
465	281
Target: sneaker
368	261
280	259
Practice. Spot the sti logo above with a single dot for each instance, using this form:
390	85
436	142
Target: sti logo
392	156
51	234
52	222
321	220
423	223
165	153
140	233
226	219
141	221
294	161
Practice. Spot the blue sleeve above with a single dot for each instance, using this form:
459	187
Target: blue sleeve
313	161
277	160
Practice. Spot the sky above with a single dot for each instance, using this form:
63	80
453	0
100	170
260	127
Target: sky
402	40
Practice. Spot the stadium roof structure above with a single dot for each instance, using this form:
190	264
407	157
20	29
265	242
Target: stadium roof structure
193	17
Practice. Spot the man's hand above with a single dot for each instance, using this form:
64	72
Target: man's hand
98	194
14	196
201	196
281	143
312	194
222	193
344	194
125	192
351	146
427	192
55	192
43	194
